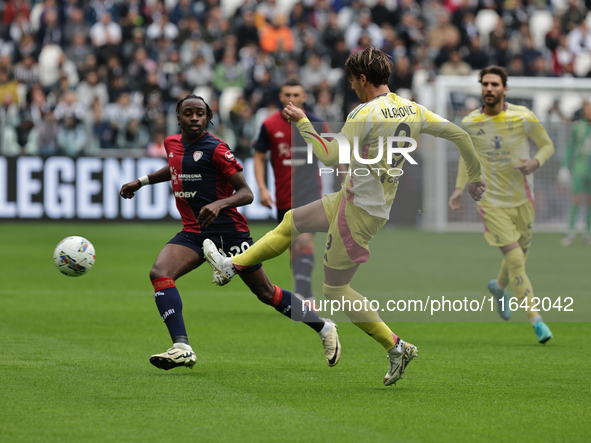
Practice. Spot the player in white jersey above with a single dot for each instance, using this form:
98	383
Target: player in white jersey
352	216
501	132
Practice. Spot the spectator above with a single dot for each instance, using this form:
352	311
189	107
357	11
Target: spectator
90	88
103	134
162	27
477	58
455	65
579	39
50	32
229	72
134	136
363	26
401	76
326	109
78	50
277	36
71	137
156	147
26	71
69	107
47	131
314	72
200	73
247	32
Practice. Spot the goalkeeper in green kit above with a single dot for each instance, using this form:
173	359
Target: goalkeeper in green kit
576	172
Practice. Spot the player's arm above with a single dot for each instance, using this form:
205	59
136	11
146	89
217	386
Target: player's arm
243	196
564	176
326	151
461	180
538	134
128	190
439	127
260	163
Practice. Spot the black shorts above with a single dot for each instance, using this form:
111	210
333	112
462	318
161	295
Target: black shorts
281	213
230	244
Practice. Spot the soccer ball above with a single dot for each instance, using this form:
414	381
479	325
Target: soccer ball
74	256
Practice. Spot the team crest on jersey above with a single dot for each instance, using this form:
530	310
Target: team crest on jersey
171	155
197	155
496	142
173	174
229	156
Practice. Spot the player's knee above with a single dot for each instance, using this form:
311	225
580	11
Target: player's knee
333	292
156	272
515	259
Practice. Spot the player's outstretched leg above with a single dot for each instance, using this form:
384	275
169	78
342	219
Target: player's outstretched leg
222	267
180	354
502	299
400	353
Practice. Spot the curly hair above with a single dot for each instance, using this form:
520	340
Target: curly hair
373	63
208	111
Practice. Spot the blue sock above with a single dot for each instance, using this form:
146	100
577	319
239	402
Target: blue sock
291	306
302	267
169	303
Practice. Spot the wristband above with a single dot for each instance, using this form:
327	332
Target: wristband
144	180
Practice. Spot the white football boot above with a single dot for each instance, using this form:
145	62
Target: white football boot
331	343
399	357
179	355
222	267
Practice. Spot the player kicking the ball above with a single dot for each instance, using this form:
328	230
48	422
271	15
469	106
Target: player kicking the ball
352	216
208	185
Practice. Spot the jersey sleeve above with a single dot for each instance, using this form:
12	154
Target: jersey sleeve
261	143
536	131
438	126
358	125
224	161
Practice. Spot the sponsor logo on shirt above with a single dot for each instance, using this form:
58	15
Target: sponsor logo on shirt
279	134
190	177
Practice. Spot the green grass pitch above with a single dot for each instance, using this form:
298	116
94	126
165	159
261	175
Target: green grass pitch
74	362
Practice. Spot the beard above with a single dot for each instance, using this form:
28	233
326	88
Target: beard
493	100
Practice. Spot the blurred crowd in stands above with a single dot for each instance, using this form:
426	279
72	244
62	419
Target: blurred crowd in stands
95	76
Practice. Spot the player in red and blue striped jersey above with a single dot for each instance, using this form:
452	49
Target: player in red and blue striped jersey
208	185
297	182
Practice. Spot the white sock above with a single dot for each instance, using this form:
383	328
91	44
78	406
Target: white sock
535	319
326	328
184	346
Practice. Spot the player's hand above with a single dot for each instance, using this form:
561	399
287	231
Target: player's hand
454	199
476	190
564	177
208	214
266	199
128	190
292	113
528	165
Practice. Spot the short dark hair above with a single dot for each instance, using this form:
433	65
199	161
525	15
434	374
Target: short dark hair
208	111
291	82
494	69
371	62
